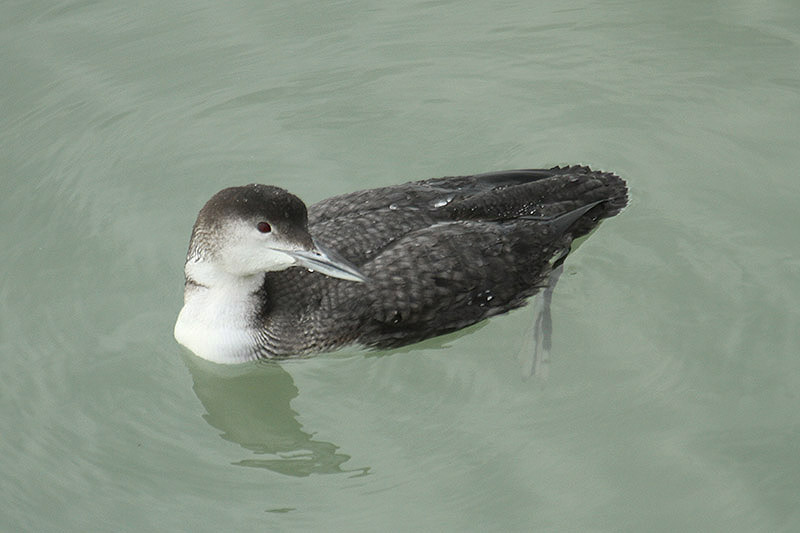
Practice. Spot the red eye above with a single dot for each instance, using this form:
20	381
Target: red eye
264	227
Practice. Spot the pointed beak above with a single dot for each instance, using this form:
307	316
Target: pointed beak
328	262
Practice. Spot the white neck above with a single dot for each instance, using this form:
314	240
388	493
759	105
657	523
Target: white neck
216	322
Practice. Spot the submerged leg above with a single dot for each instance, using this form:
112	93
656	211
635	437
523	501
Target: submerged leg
536	365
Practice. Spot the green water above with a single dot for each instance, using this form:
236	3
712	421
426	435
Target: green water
671	400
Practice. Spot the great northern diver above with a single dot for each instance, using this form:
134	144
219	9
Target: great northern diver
382	268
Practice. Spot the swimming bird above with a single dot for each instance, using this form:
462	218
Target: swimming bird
267	278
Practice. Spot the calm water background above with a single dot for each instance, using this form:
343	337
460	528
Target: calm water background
671	401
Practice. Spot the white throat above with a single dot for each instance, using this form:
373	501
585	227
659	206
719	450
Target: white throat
217	318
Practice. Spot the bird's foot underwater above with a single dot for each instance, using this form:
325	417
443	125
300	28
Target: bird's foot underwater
536	358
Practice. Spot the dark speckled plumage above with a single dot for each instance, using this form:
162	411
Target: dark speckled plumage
440	254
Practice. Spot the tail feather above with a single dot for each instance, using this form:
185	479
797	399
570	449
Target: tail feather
545	194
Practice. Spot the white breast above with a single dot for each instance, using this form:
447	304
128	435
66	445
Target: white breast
217	323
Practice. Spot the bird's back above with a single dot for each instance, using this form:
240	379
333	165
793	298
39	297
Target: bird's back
440	254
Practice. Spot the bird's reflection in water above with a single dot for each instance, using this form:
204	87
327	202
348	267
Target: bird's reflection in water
250	405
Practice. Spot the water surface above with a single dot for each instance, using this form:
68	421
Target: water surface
670	402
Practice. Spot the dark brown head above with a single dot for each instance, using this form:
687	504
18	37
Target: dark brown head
243	231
